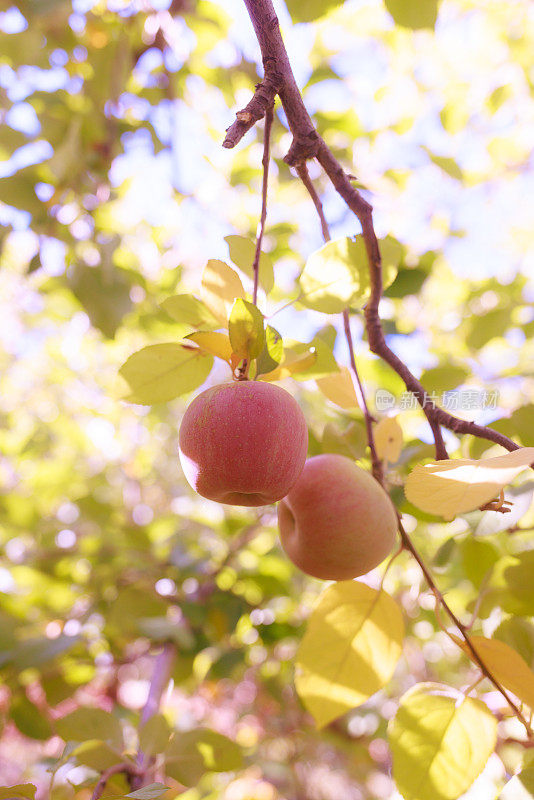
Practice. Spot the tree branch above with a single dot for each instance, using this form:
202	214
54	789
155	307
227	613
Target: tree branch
409	545
160	678
308	144
116	769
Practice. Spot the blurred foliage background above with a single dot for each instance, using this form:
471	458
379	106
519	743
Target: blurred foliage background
114	193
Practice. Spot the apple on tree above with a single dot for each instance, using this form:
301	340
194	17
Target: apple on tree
243	443
336	522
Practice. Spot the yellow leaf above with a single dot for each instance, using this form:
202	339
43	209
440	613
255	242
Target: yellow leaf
291	365
388	439
219	288
350	649
510	669
339	388
448	488
440	742
218	344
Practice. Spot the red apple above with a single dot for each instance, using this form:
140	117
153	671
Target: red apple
243	443
337	522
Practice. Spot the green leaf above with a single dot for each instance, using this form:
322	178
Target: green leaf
242	252
413	14
161	372
337	275
323	364
518	633
97	755
133	606
517	574
440	742
29	719
188	310
521	787
104	292
443	378
150	792
191	754
311	9
154	735
448	165
90	723
408	281
350	649
21	790
484	328
272	354
38	651
245	329
477	558
352	442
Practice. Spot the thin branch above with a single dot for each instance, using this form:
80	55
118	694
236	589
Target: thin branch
304	175
160	678
265	182
262	100
116	769
409	545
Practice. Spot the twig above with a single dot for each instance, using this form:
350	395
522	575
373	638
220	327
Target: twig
160	678
262	100
116	769
265	163
408	545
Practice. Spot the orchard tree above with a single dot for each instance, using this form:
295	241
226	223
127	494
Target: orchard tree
202	316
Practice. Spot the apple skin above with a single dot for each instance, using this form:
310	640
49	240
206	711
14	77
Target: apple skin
337	522
243	443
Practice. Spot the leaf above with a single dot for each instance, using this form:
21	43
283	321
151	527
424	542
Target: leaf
510	669
242	252
90	723
154	735
408	281
349	651
245	327
191	754
453	487
388	439
104	292
352	442
150	792
272	354
220	286
213	342
337	275
518	633
517	574
188	310
311	9
413	14
21	790
38	651
444	378
339	388
29	719
520	787
161	372
440	742
487	326
448	165
97	755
